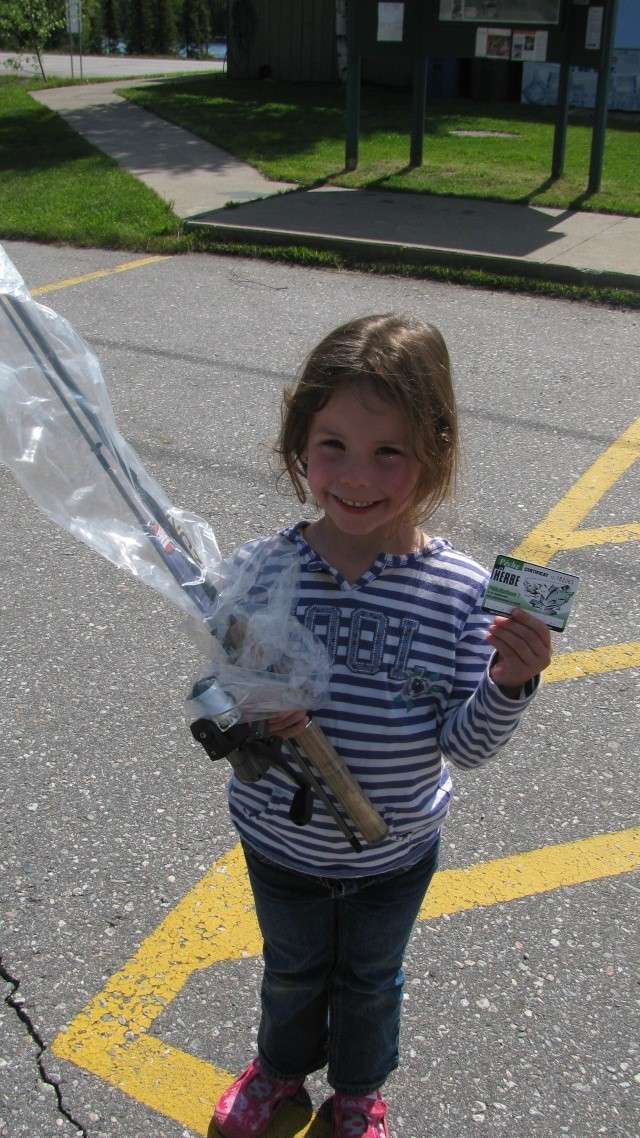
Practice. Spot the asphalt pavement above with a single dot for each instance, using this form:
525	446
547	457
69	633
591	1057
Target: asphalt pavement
72	66
521	1017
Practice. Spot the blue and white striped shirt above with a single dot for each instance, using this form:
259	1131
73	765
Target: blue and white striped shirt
409	689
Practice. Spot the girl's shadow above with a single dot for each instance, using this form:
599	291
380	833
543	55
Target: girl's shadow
296	1120
321	1122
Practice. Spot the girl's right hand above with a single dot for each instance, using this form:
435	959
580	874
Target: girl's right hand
288	724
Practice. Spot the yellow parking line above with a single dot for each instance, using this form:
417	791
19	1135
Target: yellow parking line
593	661
559	532
553	532
215	922
604	535
527	874
56	286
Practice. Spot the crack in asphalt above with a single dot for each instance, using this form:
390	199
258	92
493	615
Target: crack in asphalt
15	1002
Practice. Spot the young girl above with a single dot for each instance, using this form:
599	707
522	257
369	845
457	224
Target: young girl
420	672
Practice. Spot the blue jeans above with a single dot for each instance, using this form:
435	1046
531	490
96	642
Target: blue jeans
332	984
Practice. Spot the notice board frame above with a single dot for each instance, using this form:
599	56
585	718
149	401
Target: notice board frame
425	34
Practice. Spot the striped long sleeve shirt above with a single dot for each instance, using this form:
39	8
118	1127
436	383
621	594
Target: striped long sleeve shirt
409	690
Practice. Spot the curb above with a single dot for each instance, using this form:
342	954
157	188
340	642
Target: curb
419	255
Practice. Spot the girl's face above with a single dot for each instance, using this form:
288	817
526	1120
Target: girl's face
361	467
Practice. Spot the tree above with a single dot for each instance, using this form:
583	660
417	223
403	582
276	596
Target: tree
140	31
111	24
28	25
195	26
165	34
92	34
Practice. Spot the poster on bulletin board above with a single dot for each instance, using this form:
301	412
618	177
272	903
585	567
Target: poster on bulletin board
390	21
593	38
508	11
529	46
493	43
540	83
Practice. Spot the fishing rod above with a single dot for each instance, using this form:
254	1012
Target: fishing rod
218	725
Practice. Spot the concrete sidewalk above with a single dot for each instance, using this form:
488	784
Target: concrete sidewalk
199	179
554	244
184	170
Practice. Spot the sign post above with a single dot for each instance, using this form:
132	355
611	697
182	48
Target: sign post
419	102
353	90
602	94
74	28
562	114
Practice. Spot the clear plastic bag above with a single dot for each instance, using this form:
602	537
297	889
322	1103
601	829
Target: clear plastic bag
265	658
59	438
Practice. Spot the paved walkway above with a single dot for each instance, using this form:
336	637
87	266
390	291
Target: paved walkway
184	170
551	243
199	179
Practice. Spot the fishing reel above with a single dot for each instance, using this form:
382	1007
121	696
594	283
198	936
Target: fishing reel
251	753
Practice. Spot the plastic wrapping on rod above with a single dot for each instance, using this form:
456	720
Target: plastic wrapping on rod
59	438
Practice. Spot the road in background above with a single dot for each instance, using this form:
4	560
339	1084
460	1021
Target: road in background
521	1018
104	66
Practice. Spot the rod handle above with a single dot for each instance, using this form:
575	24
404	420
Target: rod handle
338	777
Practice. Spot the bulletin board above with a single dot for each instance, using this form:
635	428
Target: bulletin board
518	30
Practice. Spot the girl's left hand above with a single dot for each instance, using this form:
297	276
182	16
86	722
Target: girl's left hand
288	724
523	646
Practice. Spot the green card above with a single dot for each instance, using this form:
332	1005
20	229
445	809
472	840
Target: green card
547	593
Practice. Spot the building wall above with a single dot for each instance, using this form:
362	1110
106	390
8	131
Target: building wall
628	25
293	40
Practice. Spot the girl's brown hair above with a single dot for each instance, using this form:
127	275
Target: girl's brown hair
406	363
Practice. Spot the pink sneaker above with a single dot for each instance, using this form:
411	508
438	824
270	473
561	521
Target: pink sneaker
359	1116
247	1107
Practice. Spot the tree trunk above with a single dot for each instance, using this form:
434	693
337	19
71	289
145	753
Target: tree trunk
39	58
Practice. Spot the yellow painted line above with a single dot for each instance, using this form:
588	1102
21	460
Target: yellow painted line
212	923
180	1086
215	922
70	282
527	874
550	536
604	535
559	532
593	662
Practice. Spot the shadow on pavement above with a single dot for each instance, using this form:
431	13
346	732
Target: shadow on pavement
399	218
291	1119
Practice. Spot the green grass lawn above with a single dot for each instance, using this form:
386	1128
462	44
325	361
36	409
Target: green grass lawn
54	186
295	133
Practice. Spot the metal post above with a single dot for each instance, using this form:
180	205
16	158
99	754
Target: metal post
70	37
80	40
562	118
225	65
353	90
602	98
418	110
